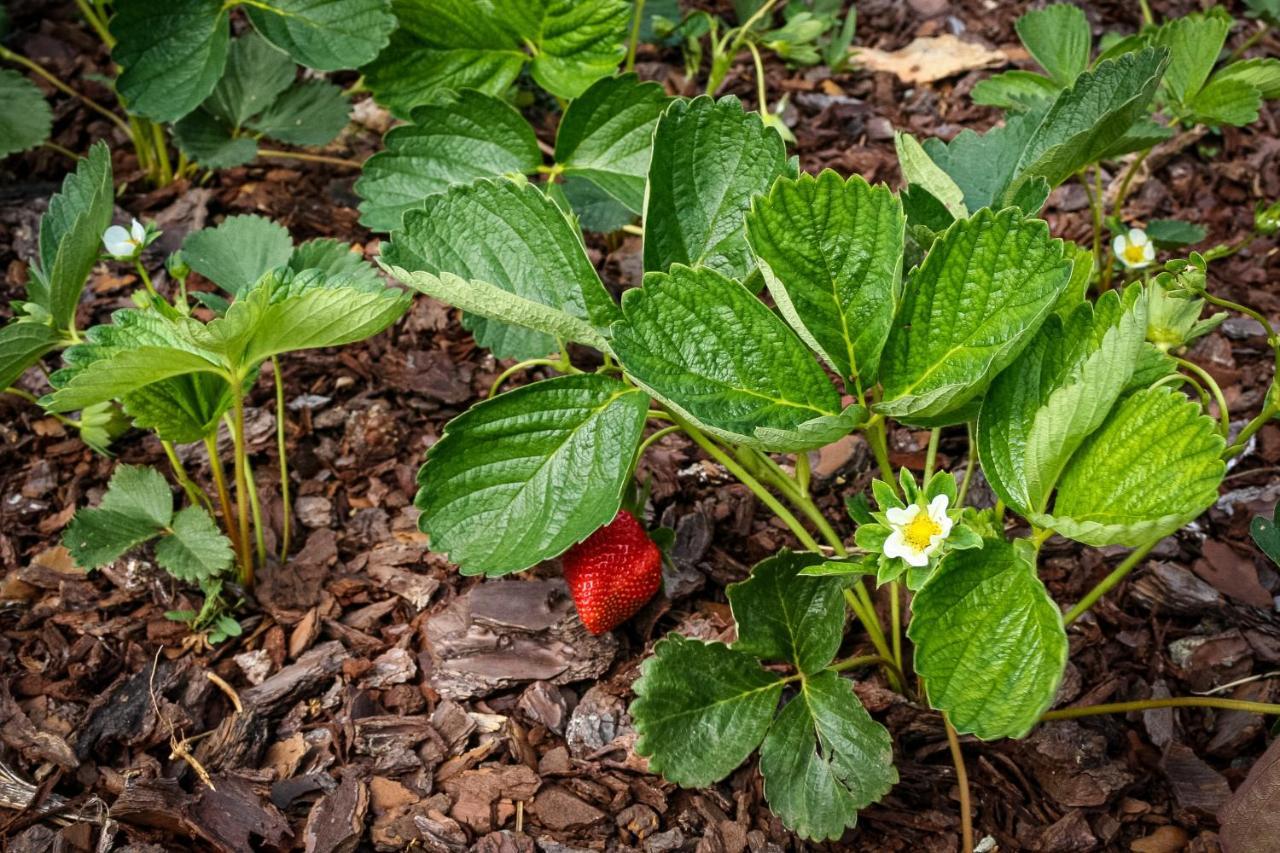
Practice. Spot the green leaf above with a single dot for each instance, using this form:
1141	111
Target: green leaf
968	311
825	758
594	208
701	709
522	476
238	252
1058	37
71	234
989	641
781	616
919	170
1174	233
578	42
100	425
325	34
444	45
709	159
113	377
337	260
1194	43
22	344
312	112
709	349
208	141
831	254
1054	395
606	136
514	239
1262	74
26	120
982	165
171	54
1228	101
194	549
136	507
1153	466
468	136
183	409
256	74
1015	90
1266	534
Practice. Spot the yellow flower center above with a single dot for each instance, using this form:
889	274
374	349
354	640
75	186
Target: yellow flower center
1134	253
920	530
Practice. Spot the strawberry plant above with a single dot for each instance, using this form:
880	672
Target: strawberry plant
946	306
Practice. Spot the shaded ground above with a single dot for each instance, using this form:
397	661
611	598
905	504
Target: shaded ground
389	702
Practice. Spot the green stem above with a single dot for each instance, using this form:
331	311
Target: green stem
878	438
1250	428
654	438
968	468
31	398
195	494
762	94
895	621
255	507
1272	338
146	279
745	30
751	483
162	154
859	660
962	782
871	623
96	21
242	487
1123	192
224	498
309	158
286	528
1147	19
634	39
1095	211
1173	702
1224	416
931	455
803	472
1257	36
38	69
516	368
65	152
1109	582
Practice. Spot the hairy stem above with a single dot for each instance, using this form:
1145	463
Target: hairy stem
242	488
634	39
1224	416
970	464
286	527
224	498
878	438
1174	702
516	368
657	436
38	69
962	781
1109	582
931	455
895	621
195	494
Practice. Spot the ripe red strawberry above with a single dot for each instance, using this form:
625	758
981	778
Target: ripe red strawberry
612	573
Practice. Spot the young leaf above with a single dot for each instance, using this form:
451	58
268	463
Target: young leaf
520	477
71	234
989	641
513	238
1266	534
467	136
183	409
325	34
982	292
312	112
717	355
577	43
119	374
1154	465
701	709
207	140
335	259
824	758
256	74
920	171
606	136
137	507
171	54
782	616
26	120
1055	394
1226	101
237	253
1016	91
1058	37
194	549
594	208
709	159
22	343
1194	43
831	254
1262	74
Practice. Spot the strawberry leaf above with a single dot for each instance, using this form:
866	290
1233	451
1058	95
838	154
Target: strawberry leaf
825	758
522	476
984	626
747	371
782	616
26	120
701	709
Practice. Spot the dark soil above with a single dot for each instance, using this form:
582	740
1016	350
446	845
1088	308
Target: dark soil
387	702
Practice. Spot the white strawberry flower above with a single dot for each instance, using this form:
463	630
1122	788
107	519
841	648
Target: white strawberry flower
918	531
124	245
1134	249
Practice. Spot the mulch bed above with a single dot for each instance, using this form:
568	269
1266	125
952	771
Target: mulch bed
379	700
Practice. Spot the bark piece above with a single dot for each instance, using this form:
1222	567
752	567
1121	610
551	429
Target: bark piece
1196	786
558	810
1250	819
485	798
336	821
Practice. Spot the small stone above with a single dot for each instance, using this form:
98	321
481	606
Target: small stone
599	719
1243	328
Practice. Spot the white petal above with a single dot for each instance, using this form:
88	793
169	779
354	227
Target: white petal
1138	237
896	546
1148	253
1118	246
903	517
117	241
137	231
938	507
929	549
944	527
